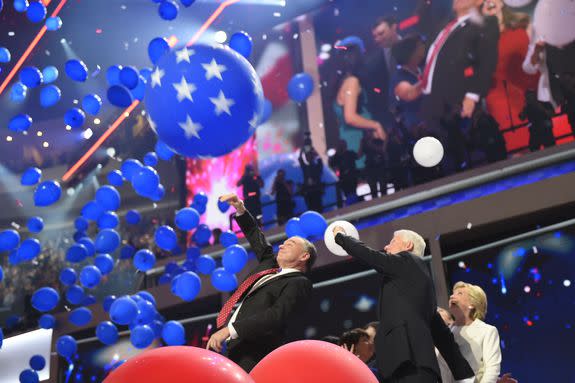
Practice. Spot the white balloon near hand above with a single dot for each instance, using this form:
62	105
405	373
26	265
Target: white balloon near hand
553	21
517	3
329	238
428	152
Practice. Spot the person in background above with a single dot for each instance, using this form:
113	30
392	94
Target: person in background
540	115
358	342
343	163
312	168
371	329
374	150
252	183
331	339
505	98
283	193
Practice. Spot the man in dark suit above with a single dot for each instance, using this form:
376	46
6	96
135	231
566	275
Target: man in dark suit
409	323
458	73
274	292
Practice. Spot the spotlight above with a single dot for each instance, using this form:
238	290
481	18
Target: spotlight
70	191
68	127
9	138
11	34
63	41
111	152
277	14
39	133
45	144
96	121
220	37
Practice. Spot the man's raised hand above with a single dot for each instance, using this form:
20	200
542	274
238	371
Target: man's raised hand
234	201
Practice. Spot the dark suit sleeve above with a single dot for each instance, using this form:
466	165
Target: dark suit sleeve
379	260
262	248
445	343
293	298
486	56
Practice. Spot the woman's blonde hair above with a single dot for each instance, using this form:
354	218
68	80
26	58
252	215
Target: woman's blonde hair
477	298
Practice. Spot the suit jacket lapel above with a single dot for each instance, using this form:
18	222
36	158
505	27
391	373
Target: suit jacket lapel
276	279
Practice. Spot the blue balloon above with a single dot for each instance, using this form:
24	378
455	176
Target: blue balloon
92	103
66	346
1	274
293	228
68	276
192	253
146	181
166	238
90	276
127	252
129	77
78	235
107	241
142	336
20	123
151	159
92	211
119	96
108	197
13	259
107	333
199	208
228	238
200	198
187	219
81	224
75	294
45	299
187	3
186	286
268	111
105	263
31	176
89	300
29	376
36	11
223	206
300	87
31	77
205	264
50	96
157	48
5	56
50	74
139	92
115	178
9	240
76	70
242	43
133	217
147	296
18	93
75	118
76	253
163	151
47	321
20	5
235	258
168	10
123	311
113	75
202	234
53	23
312	224
108	220
173	333
80	316
147	312
35	224
223	118
29	249
144	260
165	279
88	244
107	302
170	267
158	194
130	167
47	193
223	280
146	73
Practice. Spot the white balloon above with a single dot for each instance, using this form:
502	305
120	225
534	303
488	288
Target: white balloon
554	21
517	3
329	238
428	152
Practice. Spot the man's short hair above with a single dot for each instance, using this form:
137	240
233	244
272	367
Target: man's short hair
375	325
389	20
312	251
352	337
331	339
416	239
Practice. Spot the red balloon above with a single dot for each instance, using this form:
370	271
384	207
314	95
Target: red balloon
312	361
179	364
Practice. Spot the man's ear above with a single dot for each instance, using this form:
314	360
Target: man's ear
305	257
409	246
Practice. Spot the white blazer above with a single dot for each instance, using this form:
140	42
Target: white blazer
479	344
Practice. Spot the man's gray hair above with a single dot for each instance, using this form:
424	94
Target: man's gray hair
311	250
416	239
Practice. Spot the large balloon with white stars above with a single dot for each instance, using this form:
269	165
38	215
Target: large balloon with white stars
204	101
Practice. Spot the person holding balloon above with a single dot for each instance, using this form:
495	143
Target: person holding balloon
272	294
410	325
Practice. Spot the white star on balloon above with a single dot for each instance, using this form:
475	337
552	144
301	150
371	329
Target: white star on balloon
222	103
157	77
184	90
184	55
190	128
213	69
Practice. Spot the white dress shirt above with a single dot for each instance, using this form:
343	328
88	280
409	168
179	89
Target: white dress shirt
479	345
258	284
543	88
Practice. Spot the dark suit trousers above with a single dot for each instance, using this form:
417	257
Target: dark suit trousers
408	373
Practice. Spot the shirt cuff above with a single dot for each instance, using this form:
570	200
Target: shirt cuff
468	380
233	332
474	96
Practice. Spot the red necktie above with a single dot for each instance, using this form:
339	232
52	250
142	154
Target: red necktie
225	312
439	44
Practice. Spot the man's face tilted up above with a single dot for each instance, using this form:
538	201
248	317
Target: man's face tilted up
292	254
398	245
